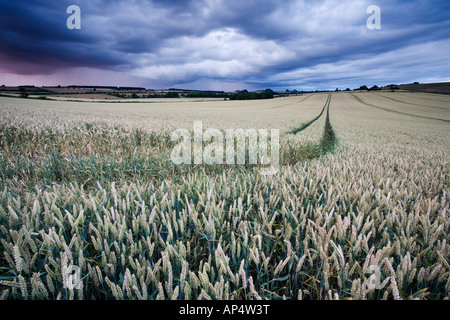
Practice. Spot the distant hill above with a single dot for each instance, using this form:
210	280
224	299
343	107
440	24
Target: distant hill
443	87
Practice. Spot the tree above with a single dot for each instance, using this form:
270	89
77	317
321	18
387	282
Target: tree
363	88
23	93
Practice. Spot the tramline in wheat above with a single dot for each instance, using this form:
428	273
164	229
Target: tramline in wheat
360	189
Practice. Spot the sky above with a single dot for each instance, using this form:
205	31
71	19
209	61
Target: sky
224	44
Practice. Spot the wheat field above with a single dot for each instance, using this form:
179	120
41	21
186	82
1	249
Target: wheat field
363	184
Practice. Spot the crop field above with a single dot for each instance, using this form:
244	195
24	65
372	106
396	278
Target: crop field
358	208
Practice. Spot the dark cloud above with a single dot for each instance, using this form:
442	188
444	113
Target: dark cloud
261	43
35	39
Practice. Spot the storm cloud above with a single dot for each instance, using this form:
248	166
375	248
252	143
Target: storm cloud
213	44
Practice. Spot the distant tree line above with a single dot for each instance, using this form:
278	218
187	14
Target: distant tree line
245	95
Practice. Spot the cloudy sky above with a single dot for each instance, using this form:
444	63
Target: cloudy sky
224	44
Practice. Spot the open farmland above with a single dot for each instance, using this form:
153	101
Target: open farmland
363	185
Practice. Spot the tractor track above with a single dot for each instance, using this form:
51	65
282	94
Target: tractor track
290	104
305	125
428	99
410	103
394	111
327	142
